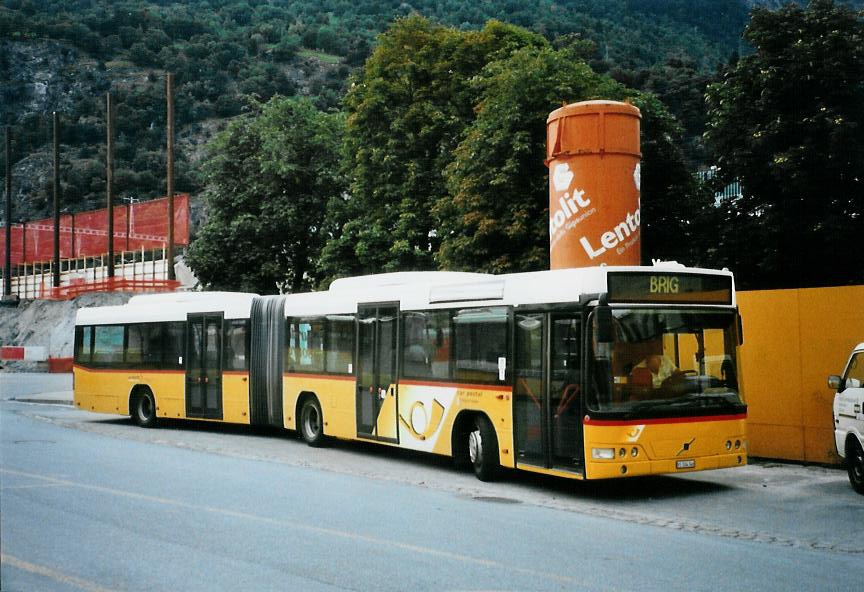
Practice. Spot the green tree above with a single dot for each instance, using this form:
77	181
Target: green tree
269	178
406	112
787	121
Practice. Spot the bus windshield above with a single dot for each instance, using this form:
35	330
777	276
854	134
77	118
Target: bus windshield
667	362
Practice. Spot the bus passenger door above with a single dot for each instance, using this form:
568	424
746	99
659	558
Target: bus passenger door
547	393
204	366
377	339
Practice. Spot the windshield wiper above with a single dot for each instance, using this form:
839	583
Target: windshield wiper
724	401
694	400
655	404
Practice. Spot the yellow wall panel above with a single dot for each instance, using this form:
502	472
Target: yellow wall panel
793	339
775	441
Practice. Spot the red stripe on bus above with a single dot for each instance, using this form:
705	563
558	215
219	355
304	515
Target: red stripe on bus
459	385
628	422
318	376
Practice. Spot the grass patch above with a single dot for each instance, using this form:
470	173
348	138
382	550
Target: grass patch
327	58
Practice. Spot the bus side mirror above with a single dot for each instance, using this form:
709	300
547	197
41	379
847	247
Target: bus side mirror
834	382
603	328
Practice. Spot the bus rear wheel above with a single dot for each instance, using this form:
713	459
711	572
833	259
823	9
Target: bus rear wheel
855	466
312	423
144	409
483	450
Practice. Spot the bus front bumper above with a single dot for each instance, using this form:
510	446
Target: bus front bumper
631	467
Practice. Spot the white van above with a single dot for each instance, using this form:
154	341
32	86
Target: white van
849	416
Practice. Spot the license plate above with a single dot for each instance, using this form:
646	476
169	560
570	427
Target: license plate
685	464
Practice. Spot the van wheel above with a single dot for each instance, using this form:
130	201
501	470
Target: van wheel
312	423
855	466
483	450
144	409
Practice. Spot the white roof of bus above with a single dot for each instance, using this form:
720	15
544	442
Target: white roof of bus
419	290
173	306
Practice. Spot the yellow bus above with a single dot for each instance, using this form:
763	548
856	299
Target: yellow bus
583	373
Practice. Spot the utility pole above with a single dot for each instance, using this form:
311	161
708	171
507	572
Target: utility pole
170	254
109	179
7	264
56	200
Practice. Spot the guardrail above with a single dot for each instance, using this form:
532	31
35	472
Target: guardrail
134	271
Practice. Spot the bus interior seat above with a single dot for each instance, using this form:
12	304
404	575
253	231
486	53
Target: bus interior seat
640	377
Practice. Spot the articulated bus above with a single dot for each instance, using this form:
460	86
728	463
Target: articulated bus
583	373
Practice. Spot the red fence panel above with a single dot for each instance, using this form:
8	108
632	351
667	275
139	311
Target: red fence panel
85	234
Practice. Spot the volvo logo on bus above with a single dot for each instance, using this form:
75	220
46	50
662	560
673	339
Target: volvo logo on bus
685	447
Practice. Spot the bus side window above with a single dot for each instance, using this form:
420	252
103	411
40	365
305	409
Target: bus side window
135	343
83	344
174	343
304	350
153	340
108	344
234	345
481	341
340	344
426	351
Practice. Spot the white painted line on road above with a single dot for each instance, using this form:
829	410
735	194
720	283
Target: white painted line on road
40	486
53	574
343	534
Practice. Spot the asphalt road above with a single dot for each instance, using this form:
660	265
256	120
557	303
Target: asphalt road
90	502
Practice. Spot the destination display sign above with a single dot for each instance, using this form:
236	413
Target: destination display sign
668	288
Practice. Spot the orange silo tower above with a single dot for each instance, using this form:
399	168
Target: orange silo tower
593	155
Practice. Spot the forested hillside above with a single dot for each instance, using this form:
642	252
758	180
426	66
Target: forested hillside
65	54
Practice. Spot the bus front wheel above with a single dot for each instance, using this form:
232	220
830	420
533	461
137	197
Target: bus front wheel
483	450
312	423
144	409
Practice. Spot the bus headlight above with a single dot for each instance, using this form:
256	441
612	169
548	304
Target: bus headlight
728	444
634	452
603	453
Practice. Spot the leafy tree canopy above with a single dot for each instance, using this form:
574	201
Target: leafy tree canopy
406	112
787	120
270	177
